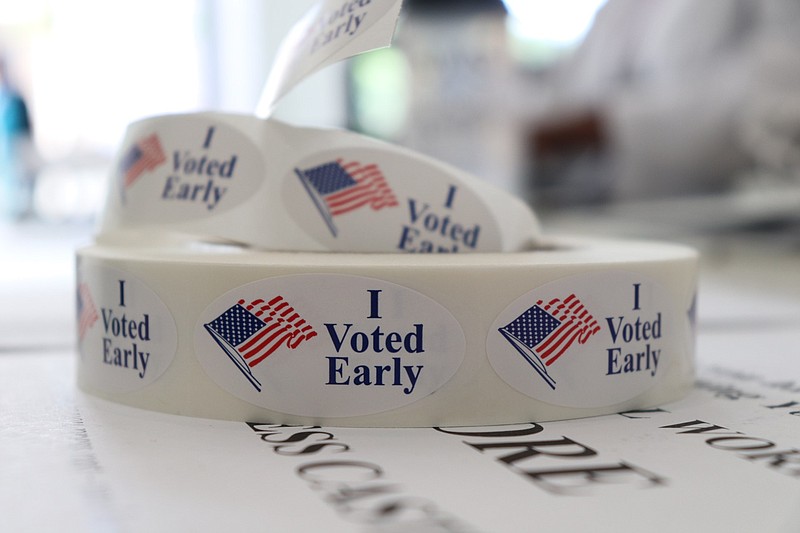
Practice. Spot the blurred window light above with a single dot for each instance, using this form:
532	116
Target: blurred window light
16	13
95	74
377	78
541	31
88	68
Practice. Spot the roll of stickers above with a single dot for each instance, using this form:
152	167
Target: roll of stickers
212	291
583	328
270	185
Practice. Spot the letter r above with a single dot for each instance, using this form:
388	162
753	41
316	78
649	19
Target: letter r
564	447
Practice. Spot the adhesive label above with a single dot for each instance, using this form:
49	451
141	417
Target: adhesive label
126	335
366	200
332	30
589	340
177	170
328	344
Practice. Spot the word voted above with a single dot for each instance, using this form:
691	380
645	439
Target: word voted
431	232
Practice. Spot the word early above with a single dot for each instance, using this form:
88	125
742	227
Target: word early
342	21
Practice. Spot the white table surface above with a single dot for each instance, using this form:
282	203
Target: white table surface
71	462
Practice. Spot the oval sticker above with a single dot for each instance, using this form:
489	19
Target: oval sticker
184	168
328	344
589	340
126	335
408	204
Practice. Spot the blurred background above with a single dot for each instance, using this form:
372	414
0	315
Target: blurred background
455	80
671	118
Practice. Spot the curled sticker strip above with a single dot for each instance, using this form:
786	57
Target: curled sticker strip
329	32
273	186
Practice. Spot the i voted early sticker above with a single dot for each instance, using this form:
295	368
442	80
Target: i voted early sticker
328	344
371	200
177	170
126	335
589	340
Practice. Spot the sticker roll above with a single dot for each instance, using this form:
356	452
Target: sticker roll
273	186
580	329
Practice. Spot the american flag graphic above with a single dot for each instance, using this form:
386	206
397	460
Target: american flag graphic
339	187
87	312
142	157
251	332
546	330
